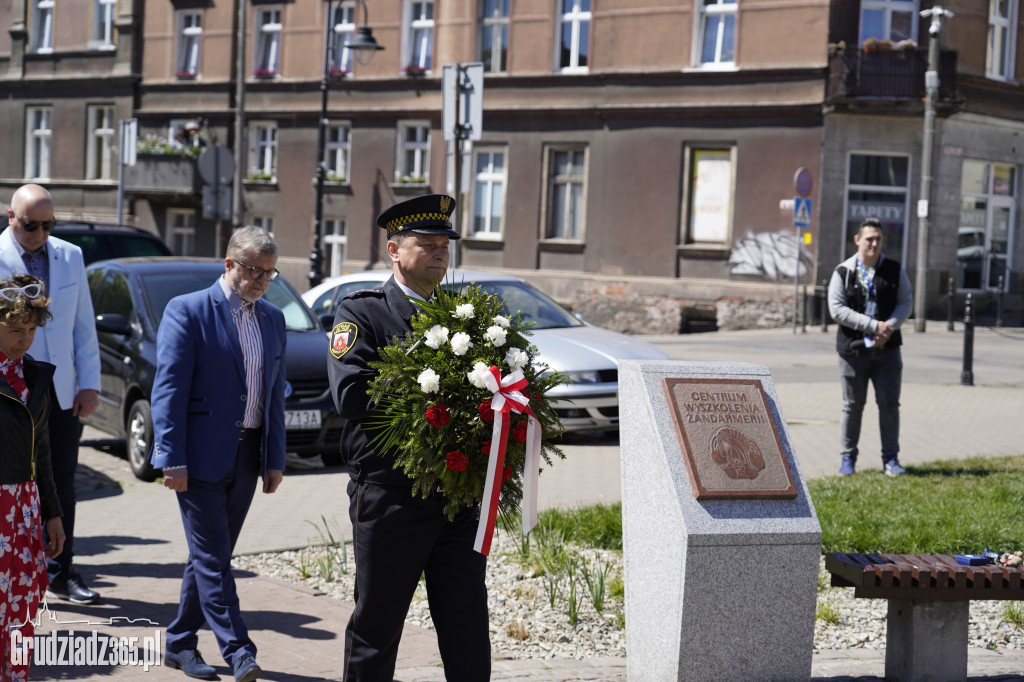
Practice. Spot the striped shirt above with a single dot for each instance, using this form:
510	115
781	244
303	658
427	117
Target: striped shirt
248	325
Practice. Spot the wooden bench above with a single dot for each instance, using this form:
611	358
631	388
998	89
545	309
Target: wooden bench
929	606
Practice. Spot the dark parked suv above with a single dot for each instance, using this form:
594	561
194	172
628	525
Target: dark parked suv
100	242
129	296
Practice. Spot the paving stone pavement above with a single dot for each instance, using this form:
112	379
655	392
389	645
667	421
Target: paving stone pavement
131	545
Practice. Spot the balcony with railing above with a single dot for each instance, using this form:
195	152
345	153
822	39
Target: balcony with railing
162	174
891	75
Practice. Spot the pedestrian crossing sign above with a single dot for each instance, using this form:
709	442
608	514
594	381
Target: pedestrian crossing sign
801	212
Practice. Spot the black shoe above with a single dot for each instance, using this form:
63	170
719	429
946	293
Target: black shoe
246	669
73	589
190	662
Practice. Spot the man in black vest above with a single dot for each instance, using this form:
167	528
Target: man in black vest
870	297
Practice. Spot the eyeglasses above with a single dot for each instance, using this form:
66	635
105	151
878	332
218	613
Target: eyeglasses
33	225
28	291
260	273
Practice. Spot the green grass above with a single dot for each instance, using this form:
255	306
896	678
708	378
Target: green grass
599	526
950	507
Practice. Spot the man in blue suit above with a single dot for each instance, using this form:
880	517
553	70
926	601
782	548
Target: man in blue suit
69	343
218	421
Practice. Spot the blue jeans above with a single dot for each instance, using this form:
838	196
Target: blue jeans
884	369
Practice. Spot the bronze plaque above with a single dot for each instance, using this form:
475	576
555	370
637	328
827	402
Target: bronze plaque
730	441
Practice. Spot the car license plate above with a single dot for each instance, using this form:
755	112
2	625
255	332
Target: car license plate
301	419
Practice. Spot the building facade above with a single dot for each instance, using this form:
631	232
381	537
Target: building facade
636	155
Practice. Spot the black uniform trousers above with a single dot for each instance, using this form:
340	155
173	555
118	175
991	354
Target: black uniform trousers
397	538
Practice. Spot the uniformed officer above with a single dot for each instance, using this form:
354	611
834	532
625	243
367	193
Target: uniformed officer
398	537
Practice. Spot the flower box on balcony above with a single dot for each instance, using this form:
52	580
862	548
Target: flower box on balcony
338	73
186	75
414	71
264	73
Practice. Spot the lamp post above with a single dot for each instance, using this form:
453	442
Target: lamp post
364	47
931	82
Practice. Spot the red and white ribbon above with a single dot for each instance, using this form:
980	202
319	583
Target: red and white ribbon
507	398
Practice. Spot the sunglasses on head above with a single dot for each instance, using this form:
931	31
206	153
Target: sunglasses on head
33	225
28	291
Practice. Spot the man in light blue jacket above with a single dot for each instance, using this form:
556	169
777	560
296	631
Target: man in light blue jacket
68	342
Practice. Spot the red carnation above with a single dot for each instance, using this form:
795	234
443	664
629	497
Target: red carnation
437	415
506	474
457	461
519	432
485	449
486	413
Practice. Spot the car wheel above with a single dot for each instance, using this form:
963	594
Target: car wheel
139	441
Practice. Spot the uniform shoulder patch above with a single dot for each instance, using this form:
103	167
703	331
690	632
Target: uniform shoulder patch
343	337
362	293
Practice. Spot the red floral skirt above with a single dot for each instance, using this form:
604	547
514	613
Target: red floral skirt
23	577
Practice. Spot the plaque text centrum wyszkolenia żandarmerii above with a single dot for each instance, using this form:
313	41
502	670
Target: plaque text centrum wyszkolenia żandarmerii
726	407
729	438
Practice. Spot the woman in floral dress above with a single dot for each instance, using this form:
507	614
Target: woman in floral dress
28	496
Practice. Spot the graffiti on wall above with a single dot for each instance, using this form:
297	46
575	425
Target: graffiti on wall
769	255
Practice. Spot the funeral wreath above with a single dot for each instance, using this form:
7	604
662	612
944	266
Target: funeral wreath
466	365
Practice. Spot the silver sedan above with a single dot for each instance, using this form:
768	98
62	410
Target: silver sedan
588	355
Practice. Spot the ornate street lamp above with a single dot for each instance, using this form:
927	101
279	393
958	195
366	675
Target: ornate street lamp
364	47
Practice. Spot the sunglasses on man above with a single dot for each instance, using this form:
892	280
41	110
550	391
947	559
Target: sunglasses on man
33	225
28	291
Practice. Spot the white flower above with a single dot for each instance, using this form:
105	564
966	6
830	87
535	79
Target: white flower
495	335
501	321
516	358
436	335
465	311
476	377
461	343
429	381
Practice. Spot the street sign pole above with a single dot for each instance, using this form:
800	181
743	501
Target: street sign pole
462	89
802	183
129	133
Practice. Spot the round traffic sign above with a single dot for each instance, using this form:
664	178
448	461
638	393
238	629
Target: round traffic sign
802	181
216	165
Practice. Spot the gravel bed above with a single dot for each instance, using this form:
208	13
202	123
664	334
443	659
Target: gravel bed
524	625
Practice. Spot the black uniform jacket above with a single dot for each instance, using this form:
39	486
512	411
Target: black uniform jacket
25	439
365	321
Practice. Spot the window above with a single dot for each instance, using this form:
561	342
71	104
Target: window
709	214
181	231
1002	16
190	32
344	29
263	151
100	143
566	185
419	33
893	20
41	27
573	36
336	151
38	132
717	32
334	246
264	221
877	188
413	152
493	39
987	209
268	43
103	24
488	193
